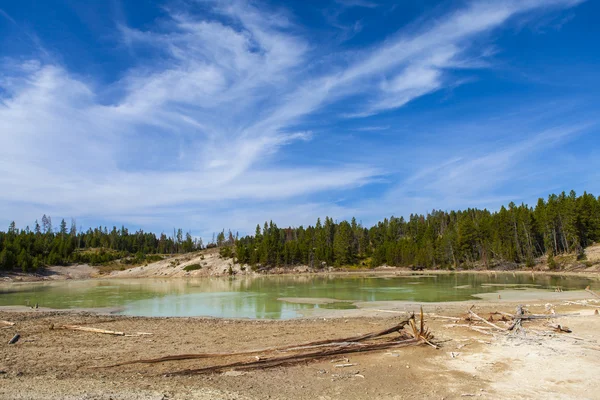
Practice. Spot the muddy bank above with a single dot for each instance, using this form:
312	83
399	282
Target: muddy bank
57	364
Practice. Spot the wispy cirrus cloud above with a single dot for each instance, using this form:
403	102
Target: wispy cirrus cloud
483	177
205	113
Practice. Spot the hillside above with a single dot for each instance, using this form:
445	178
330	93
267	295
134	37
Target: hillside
200	263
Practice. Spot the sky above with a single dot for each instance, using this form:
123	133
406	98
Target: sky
207	115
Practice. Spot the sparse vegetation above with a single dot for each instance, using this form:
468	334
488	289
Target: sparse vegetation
192	267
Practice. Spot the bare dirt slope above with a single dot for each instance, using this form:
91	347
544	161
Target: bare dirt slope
59	364
210	262
592	253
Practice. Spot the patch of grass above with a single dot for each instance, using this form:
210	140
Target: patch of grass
192	267
153	258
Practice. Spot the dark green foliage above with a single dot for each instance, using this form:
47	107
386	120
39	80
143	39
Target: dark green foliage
551	262
192	267
514	234
28	250
226	252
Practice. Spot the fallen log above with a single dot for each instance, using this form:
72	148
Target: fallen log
296	347
413	336
296	358
93	330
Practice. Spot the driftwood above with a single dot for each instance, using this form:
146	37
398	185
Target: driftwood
515	325
480	330
587	289
93	330
344	365
7	323
504	314
473	315
298	358
560	328
546	316
518	318
445	317
295	347
409	335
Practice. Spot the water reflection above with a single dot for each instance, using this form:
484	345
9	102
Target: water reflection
258	297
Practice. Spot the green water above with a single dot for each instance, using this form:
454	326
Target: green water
259	297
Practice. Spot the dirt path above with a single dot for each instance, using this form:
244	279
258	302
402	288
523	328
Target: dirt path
57	364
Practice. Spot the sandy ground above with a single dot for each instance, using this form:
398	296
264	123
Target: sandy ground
57	363
211	262
79	271
592	253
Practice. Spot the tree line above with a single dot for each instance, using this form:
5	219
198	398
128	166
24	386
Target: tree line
563	223
30	249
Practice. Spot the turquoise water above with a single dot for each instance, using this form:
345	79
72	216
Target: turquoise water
260	297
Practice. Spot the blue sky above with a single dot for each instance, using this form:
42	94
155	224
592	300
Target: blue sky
223	114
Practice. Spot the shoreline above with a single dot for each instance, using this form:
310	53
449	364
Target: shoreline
67	274
494	365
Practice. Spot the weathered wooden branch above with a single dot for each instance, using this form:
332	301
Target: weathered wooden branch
477	317
445	317
7	323
93	330
415	334
480	330
511	316
518	317
546	316
297	358
295	347
560	328
587	289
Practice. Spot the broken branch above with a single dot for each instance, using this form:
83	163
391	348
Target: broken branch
472	314
93	330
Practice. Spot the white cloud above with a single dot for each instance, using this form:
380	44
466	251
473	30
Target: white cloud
471	177
203	123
